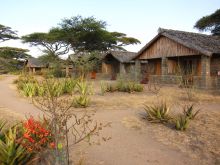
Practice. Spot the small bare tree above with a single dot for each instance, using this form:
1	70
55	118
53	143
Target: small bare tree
69	125
185	80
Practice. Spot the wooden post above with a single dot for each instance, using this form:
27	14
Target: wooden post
205	71
137	70
33	70
122	68
164	69
67	71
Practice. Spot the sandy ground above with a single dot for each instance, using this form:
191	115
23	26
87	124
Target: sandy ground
134	141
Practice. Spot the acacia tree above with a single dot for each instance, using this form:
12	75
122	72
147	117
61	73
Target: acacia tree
210	23
90	34
52	42
6	33
13	53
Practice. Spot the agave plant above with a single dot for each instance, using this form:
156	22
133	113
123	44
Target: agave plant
69	85
182	123
82	101
103	88
157	113
188	111
84	90
29	89
11	152
2	125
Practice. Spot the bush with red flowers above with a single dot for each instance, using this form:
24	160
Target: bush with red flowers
37	136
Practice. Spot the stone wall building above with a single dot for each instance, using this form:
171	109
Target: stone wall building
173	54
118	62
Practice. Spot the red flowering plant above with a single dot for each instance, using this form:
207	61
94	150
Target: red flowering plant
37	136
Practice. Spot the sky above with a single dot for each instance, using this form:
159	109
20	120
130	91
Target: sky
136	18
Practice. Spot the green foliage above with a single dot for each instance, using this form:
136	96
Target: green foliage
123	86
188	111
210	23
157	113
85	62
29	89
23	79
52	41
182	123
129	87
69	85
2	124
111	87
103	88
11	152
13	53
84	90
89	34
6	33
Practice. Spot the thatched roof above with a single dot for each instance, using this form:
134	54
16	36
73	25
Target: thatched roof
205	44
121	56
36	63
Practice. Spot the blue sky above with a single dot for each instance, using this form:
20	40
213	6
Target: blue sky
137	18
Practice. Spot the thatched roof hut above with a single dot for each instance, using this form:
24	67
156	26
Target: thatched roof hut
204	44
121	56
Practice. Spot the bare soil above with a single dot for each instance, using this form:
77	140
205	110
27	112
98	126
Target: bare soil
133	140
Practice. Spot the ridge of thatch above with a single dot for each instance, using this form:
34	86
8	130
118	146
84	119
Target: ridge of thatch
122	56
205	44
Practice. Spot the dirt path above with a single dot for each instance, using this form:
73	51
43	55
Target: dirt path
9	98
131	143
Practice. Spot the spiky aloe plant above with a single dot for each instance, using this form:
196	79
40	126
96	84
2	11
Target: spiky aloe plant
157	113
182	123
11	152
84	90
69	85
188	111
29	89
103	88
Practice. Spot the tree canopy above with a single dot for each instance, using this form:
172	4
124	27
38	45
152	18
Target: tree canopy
90	34
79	34
52	42
6	33
210	23
13	53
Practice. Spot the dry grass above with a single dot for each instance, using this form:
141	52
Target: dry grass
201	141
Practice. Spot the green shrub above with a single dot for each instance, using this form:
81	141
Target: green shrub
188	111
11	152
182	123
111	88
124	86
138	88
157	113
